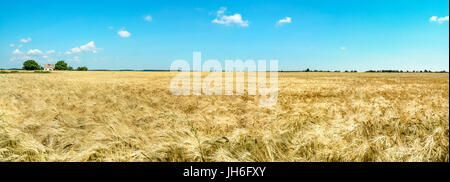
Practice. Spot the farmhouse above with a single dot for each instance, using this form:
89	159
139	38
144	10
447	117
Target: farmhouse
49	67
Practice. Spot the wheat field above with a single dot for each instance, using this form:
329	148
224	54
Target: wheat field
133	116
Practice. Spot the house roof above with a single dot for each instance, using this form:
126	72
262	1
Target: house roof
49	65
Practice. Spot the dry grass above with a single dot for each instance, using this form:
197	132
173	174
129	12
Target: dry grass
132	116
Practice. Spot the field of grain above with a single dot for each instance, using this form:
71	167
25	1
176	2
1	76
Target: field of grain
133	116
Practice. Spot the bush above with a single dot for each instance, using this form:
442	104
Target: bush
61	65
7	72
31	65
83	68
40	71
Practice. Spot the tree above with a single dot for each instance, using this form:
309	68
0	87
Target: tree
61	65
83	68
31	65
70	68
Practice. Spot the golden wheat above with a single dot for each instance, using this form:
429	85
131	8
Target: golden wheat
132	116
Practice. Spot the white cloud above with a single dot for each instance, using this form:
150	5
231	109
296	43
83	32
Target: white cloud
11	45
21	57
148	18
343	48
124	33
25	40
221	10
17	51
50	51
34	52
284	21
89	47
229	20
75	50
433	18
76	59
439	20
443	19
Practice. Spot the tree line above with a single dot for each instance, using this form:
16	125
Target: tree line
309	70
407	71
60	65
371	71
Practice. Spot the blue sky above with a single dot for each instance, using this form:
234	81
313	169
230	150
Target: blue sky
320	34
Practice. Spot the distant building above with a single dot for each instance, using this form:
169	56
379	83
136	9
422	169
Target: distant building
49	67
